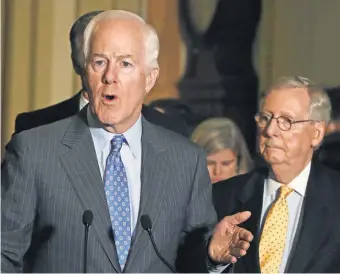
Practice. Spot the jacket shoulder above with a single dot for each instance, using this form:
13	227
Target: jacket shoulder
35	137
47	115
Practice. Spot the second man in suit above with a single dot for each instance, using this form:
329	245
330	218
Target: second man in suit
295	205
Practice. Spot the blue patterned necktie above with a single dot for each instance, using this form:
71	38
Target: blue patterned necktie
117	195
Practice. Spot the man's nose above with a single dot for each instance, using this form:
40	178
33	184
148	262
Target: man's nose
272	128
111	75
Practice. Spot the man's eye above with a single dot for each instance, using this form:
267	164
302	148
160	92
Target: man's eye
99	63
286	120
126	64
265	118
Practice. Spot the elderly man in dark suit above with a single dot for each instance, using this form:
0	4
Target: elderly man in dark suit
295	204
109	159
71	106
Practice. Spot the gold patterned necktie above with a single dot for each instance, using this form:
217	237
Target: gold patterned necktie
273	237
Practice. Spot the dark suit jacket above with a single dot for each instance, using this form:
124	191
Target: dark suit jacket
67	108
317	247
51	176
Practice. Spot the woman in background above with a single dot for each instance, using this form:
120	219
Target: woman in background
227	152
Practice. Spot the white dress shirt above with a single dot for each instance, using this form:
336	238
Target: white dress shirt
131	154
82	101
294	200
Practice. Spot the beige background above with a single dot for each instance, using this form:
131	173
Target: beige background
38	70
299	37
295	37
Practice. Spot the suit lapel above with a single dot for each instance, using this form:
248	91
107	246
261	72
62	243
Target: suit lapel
153	181
81	166
316	220
251	199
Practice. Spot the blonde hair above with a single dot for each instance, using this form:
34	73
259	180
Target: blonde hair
216	134
320	106
151	40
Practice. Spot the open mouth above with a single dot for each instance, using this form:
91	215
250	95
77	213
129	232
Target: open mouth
110	98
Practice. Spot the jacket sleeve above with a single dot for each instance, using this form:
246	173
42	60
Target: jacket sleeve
18	205
200	221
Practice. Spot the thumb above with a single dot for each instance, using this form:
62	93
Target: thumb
238	218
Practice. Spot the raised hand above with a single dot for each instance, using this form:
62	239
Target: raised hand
229	242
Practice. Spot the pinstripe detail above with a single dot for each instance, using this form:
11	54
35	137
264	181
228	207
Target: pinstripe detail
51	176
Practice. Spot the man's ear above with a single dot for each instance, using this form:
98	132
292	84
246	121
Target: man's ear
319	133
150	80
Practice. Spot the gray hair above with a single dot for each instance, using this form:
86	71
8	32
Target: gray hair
216	134
150	36
320	106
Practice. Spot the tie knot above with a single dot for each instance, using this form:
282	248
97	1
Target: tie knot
117	142
285	191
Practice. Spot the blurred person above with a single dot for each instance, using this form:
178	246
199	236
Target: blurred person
109	159
334	123
227	152
329	151
172	106
69	107
177	109
296	202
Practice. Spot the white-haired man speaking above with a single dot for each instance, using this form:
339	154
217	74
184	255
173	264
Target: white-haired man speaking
110	160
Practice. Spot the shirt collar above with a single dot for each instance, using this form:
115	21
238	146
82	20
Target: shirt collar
82	101
299	183
102	138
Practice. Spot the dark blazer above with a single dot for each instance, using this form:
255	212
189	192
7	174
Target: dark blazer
317	246
67	108
51	176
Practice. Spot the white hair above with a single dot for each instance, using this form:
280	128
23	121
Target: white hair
319	107
150	36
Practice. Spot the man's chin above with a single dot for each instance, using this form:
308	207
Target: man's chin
272	159
109	120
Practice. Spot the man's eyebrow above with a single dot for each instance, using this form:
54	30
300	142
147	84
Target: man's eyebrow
118	57
125	56
99	55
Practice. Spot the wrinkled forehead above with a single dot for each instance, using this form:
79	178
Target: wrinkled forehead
118	36
290	101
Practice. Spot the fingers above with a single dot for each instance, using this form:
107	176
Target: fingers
238	218
245	235
233	260
240	249
243	245
229	260
237	252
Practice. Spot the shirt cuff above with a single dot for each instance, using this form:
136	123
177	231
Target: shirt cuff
212	266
